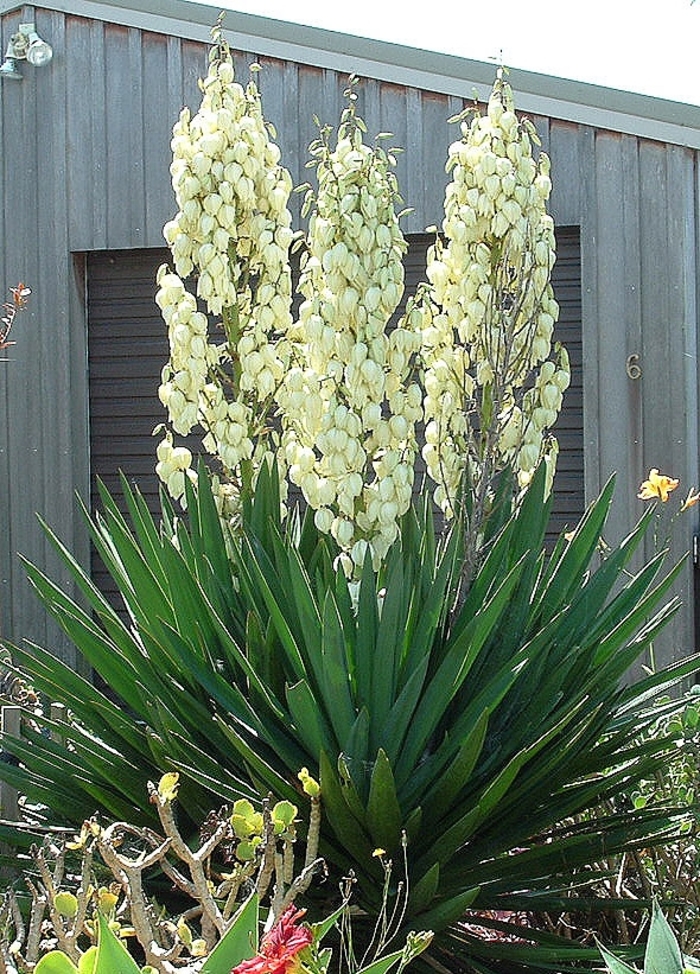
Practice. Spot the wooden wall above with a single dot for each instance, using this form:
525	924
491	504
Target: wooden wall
84	167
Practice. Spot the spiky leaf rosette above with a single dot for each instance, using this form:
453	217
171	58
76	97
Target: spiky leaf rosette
486	733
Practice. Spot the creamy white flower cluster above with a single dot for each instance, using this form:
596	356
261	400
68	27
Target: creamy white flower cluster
232	195
174	464
541	405
191	355
233	229
489	313
350	408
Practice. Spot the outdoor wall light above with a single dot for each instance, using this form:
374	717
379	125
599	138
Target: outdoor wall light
25	45
8	68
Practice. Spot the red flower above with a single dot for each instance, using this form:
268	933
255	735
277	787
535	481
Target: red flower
279	947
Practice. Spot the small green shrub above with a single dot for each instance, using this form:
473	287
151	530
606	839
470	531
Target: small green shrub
241	876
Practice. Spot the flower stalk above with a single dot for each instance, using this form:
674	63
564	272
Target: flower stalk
333	397
493	383
233	229
349	403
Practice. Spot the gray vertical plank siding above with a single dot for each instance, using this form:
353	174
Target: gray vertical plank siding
156	135
563	151
588	222
39	462
657	400
83	135
631	286
615	389
668	341
437	135
94	160
54	498
9	106
25	456
5	567
414	155
393	118
84	167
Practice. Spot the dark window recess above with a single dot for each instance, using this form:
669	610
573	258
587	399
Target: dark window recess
569	500
128	347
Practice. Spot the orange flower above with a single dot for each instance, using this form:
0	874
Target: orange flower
658	485
279	947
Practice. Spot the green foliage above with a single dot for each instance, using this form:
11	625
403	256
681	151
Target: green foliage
662	955
239	942
110	955
671	872
473	729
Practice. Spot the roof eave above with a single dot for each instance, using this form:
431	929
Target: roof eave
575	101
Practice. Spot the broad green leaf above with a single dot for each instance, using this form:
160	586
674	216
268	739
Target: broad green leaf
260	765
308	719
352	779
351	833
51	766
393	731
567	572
424	891
284	813
114	661
451	781
384	814
260	592
55	962
357	744
383	964
239	943
302	595
324	959
112	955
88	961
334	671
369	693
324	926
442	688
430	608
663	955
614	964
59	681
447	912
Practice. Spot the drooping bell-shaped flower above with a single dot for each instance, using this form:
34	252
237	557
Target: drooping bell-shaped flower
493	388
350	405
233	232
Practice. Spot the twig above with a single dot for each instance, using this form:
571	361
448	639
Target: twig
129	872
36	918
194	860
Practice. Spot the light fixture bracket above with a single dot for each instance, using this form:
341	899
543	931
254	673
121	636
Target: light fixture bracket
25	45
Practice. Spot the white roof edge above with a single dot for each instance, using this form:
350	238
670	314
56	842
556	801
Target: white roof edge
575	101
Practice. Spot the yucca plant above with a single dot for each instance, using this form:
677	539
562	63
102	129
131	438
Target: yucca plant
476	733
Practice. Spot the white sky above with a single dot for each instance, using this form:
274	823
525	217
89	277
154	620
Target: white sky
633	45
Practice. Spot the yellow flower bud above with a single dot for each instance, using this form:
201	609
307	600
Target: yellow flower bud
309	784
